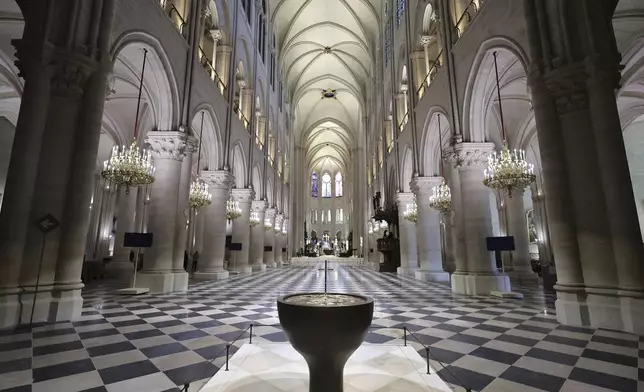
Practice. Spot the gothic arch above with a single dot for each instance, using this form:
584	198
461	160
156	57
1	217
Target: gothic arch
430	162
406	169
480	84
257	182
239	165
211	149
160	83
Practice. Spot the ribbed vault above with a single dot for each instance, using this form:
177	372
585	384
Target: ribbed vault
326	52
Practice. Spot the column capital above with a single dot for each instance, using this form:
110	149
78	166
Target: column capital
192	144
215	34
70	73
166	144
568	87
243	195
469	154
259	205
224	49
424	185
404	198
426	40
270	213
218	179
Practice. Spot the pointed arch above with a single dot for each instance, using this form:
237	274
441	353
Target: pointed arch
239	165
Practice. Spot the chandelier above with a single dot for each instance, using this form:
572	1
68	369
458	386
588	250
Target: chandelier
277	228
441	198
268	225
254	219
411	212
233	211
370	227
508	170
199	194
128	165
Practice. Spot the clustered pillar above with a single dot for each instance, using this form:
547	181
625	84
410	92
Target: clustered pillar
239	259
211	262
428	232
257	236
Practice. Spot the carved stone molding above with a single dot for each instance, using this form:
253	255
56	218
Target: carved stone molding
243	195
568	87
215	35
166	145
218	179
259	205
422	186
469	154
192	144
427	40
224	49
270	214
70	75
404	198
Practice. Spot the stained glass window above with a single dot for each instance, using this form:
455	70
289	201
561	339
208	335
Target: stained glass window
314	184
400	10
338	184
326	187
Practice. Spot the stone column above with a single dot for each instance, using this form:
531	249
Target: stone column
126	203
269	237
427	40
223	59
257	236
277	243
518	228
478	275
419	64
241	231
407	229
182	216
428	232
216	36
246	105
211	262
167	148
199	228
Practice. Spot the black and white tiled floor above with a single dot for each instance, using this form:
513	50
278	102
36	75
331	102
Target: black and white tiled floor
160	342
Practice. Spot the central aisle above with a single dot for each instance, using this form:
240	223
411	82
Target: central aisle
158	342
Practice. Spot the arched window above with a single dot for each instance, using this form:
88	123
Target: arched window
339	215
338	184
400	10
314	184
326	187
329	216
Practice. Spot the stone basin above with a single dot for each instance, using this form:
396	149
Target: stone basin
326	329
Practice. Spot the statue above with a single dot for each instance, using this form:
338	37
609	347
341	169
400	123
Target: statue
376	202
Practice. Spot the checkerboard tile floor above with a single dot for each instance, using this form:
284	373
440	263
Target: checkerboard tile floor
160	342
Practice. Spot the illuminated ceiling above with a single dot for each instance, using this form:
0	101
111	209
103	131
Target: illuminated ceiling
326	49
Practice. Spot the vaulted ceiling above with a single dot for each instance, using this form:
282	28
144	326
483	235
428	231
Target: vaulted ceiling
326	50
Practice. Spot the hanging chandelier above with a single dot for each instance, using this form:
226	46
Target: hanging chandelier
441	198
233	211
508	170
199	194
277	228
268	224
128	165
254	219
411	212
